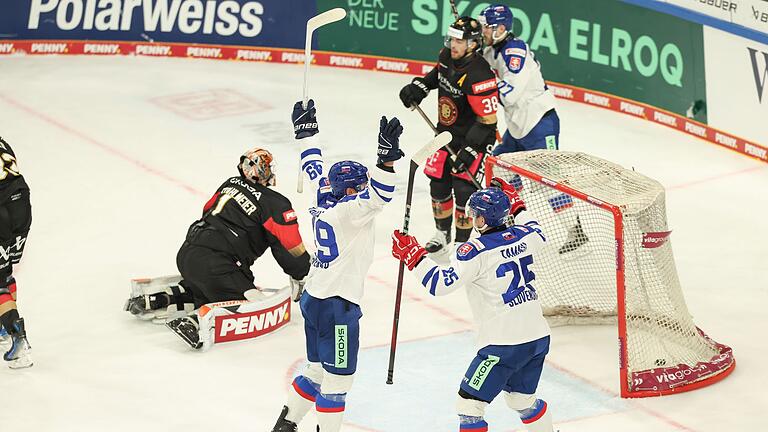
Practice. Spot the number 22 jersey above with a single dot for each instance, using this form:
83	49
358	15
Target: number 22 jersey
344	229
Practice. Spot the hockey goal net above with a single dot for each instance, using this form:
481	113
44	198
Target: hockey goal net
609	259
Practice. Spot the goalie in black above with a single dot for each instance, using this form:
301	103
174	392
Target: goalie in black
243	219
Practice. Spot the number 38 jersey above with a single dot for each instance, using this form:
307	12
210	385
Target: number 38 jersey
467	91
11	179
344	229
498	272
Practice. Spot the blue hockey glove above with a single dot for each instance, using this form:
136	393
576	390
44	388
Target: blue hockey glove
389	140
304	120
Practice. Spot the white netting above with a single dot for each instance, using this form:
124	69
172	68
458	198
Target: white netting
577	271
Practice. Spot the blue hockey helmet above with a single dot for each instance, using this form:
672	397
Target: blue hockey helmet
347	174
496	14
490	203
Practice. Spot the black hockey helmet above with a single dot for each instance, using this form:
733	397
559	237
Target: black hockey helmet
466	28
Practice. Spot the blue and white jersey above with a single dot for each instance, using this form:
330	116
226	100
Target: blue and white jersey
344	229
497	271
522	90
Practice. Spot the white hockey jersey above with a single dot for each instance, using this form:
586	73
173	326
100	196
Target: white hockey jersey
344	229
497	271
522	90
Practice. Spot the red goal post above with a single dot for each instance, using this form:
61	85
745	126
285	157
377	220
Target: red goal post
609	259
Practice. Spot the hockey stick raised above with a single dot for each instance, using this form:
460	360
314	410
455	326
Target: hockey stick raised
317	21
419	158
447	147
454	10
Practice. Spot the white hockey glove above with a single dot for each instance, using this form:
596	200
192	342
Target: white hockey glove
297	288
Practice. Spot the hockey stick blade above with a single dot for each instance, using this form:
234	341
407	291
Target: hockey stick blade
421	156
327	17
317	21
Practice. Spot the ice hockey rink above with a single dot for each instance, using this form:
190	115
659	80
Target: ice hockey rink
121	153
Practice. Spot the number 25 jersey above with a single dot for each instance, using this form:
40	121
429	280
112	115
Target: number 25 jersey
497	270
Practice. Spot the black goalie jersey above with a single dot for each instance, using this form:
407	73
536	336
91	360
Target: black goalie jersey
467	90
244	219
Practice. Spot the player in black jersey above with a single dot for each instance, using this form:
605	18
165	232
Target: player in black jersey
15	220
467	104
243	219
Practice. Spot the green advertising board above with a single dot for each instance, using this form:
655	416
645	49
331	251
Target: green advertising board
604	45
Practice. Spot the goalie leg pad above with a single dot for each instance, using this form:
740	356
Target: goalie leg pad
160	298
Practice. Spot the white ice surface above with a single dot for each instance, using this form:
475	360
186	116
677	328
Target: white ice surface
116	178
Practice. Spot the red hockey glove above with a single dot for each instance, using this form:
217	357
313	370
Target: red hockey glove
407	249
516	203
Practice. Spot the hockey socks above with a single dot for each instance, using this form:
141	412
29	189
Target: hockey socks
330	411
537	417
302	398
472	424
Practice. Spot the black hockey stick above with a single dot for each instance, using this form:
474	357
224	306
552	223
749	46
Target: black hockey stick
454	10
447	147
419	158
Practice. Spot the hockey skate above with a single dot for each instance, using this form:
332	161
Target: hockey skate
144	304
18	356
186	328
576	238
284	425
438	244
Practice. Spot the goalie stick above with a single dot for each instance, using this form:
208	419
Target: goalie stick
447	147
317	21
418	158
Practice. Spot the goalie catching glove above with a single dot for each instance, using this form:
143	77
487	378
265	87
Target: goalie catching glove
516	203
407	249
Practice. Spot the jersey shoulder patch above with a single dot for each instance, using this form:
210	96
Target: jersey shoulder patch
514	53
469	250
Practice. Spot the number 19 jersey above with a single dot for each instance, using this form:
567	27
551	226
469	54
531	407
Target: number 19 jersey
498	272
344	229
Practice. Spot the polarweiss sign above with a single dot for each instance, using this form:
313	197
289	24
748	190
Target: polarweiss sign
190	16
241	22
